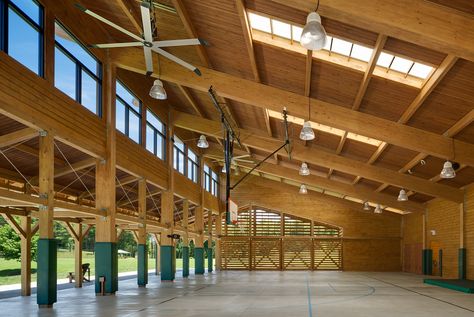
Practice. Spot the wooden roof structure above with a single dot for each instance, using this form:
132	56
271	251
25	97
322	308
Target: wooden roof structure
379	131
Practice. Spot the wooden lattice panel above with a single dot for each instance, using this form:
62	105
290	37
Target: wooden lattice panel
297	226
327	254
266	223
235	253
266	254
297	254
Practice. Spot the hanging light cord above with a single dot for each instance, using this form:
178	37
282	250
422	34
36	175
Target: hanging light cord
317	6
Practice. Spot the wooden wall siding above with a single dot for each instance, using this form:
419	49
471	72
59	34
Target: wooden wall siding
47	108
443	216
413	228
469	231
184	187
371	255
371	242
319	207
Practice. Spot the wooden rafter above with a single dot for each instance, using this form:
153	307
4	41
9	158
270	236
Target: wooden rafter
17	137
415	21
268	97
323	158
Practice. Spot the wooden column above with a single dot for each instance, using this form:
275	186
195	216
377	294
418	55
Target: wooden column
157	254
209	241
218	241
106	260
47	257
26	256
167	212
142	272
186	238
49	20
78	255
462	256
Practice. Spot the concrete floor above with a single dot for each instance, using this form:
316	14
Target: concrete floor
242	293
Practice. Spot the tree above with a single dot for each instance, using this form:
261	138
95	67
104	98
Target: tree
10	244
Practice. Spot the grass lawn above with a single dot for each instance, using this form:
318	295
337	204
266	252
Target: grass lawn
10	269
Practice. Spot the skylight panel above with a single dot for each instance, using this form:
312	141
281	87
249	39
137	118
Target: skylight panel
341	47
385	59
297	33
281	29
420	70
401	65
259	22
361	52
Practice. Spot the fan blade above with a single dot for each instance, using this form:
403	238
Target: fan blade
114	45
110	23
146	22
178	42
148	60
176	60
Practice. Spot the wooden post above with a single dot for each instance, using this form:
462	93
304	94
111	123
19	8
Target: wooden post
218	241
142	272
167	212
106	260
157	254
78	255
49	20
186	238
47	257
209	241
26	256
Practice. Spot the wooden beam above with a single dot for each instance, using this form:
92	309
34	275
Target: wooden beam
379	44
186	19
339	187
46	185
240	5
414	21
69	169
430	85
17	137
321	157
130	15
15	226
34	152
268	97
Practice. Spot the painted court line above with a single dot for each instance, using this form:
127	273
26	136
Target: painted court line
310	307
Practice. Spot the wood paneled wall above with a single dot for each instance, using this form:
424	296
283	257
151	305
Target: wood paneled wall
444	217
373	241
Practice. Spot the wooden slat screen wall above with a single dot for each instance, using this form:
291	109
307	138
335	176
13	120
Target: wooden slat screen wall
269	240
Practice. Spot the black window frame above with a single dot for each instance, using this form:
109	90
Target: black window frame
80	67
129	108
207	178
4	6
194	166
156	133
176	153
214	183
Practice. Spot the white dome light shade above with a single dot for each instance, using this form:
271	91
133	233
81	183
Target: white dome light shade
402	196
366	206
224	170
157	91
313	36
303	189
304	170
202	142
378	209
448	170
307	132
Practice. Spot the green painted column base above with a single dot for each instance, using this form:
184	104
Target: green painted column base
199	260
185	261
209	260
142	269
106	267
427	262
47	273
462	263
167	262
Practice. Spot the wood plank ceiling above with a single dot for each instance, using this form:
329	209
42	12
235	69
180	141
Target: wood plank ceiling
444	105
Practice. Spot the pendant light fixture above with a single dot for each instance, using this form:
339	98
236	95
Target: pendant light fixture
304	170
224	170
366	206
313	36
202	142
402	196
378	209
448	170
157	91
307	132
303	189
